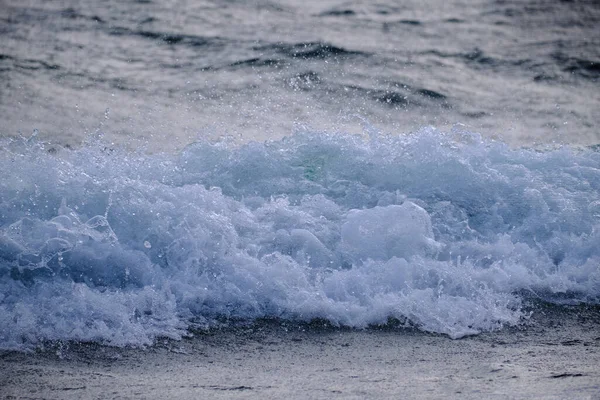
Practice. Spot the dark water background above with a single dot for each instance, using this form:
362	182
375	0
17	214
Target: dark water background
169	72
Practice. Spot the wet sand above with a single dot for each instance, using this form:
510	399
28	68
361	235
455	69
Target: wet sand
554	356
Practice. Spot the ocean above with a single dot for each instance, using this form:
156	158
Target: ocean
171	167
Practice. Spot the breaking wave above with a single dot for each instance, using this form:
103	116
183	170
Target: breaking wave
448	232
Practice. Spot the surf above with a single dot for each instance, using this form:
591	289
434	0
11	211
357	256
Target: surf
448	232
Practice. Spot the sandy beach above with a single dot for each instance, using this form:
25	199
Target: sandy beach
556	356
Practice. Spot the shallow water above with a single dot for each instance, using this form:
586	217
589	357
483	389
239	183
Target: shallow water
554	357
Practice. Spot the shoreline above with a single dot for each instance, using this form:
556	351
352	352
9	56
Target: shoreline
554	356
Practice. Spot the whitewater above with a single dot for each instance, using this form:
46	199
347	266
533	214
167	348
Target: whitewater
445	231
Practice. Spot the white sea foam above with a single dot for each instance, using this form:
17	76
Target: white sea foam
443	230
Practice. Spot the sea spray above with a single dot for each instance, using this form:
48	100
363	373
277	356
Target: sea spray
447	231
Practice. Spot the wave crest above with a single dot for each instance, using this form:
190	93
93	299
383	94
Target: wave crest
445	231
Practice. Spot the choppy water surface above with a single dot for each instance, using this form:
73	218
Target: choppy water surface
347	161
170	71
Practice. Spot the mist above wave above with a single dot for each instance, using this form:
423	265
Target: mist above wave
445	231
